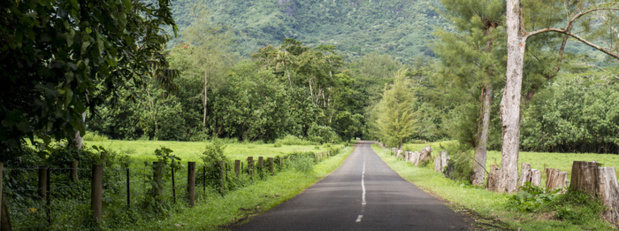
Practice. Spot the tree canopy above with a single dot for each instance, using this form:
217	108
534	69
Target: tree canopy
59	58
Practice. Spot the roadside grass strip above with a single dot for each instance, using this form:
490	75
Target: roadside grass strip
484	209
222	213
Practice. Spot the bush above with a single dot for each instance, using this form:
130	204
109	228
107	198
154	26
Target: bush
531	199
94	136
212	155
322	134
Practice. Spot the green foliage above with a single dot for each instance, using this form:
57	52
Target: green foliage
396	116
94	136
291	140
461	163
212	157
531	198
576	113
322	134
58	68
575	207
356	27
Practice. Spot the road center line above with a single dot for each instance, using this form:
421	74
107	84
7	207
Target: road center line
363	184
363	193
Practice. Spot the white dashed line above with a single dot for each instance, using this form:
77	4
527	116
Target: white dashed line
363	202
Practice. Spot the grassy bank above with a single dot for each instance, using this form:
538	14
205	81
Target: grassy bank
215	212
538	160
190	151
491	207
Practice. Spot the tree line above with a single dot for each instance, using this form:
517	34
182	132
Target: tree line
88	75
527	42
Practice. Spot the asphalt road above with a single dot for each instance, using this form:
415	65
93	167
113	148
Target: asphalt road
363	194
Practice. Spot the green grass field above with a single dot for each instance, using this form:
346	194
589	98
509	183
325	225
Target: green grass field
190	151
491	206
538	160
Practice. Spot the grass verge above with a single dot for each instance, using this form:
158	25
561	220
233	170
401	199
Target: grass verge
220	213
486	210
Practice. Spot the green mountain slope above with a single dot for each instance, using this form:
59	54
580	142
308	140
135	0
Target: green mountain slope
401	28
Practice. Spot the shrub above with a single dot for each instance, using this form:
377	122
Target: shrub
531	199
212	155
322	134
95	136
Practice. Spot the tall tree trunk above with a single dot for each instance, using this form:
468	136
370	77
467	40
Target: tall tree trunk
482	138
510	103
486	99
205	97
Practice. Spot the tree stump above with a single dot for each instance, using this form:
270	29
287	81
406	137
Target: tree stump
585	177
437	164
525	174
493	177
444	160
416	156
608	192
536	177
399	154
556	179
425	154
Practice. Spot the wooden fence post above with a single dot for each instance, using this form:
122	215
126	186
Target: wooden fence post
157	168
173	183
191	182
237	167
74	166
250	166
128	189
221	172
261	163
271	165
43	182
96	192
226	169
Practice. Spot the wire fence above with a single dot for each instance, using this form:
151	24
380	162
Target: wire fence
42	198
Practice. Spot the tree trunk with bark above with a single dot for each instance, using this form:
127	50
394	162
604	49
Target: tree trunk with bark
510	103
482	139
205	102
